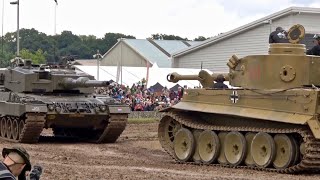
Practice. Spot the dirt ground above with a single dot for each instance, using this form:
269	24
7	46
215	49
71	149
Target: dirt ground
136	155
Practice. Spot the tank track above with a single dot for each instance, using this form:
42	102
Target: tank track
116	125
309	162
33	126
113	129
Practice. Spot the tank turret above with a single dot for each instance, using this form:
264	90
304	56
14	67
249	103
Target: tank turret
285	66
49	79
203	77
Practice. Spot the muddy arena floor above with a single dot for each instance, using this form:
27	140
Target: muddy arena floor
136	155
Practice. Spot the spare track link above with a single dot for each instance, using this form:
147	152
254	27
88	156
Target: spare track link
309	162
116	125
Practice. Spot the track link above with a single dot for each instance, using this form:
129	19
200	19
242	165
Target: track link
309	162
116	125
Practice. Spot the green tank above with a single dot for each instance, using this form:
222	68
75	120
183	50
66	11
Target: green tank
268	120
34	97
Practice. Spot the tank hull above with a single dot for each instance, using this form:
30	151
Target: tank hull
286	117
84	117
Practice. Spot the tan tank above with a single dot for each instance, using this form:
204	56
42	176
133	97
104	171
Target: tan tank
268	121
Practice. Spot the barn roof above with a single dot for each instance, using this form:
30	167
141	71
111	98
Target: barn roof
149	51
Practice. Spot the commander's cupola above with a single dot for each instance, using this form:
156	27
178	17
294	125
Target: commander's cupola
295	35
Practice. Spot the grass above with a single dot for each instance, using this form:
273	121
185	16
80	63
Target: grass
142	120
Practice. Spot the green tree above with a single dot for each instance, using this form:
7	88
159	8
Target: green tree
63	44
110	39
5	56
11	42
167	37
67	38
37	58
200	38
76	49
33	40
5	59
92	43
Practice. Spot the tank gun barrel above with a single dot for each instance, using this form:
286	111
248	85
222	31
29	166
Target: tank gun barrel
82	82
175	77
203	77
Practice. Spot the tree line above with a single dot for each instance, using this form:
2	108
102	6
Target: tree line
42	48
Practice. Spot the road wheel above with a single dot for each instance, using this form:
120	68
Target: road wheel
295	143
3	127
21	126
209	146
263	149
15	129
196	156
249	137
8	127
168	128
235	148
285	151
222	157
184	145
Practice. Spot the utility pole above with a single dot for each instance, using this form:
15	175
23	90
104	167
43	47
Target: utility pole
18	45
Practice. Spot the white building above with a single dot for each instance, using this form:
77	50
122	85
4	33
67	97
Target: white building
249	39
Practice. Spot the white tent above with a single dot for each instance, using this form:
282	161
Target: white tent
131	75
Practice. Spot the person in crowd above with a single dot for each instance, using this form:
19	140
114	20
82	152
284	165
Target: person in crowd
172	94
180	93
140	98
316	49
219	82
278	36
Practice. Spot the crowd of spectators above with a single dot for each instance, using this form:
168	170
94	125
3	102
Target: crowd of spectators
140	98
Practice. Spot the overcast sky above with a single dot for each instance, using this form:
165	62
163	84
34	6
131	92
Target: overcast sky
141	18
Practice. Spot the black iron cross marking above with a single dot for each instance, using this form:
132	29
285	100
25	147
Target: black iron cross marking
234	97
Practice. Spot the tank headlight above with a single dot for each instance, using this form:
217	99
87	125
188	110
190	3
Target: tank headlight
103	108
51	107
58	109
